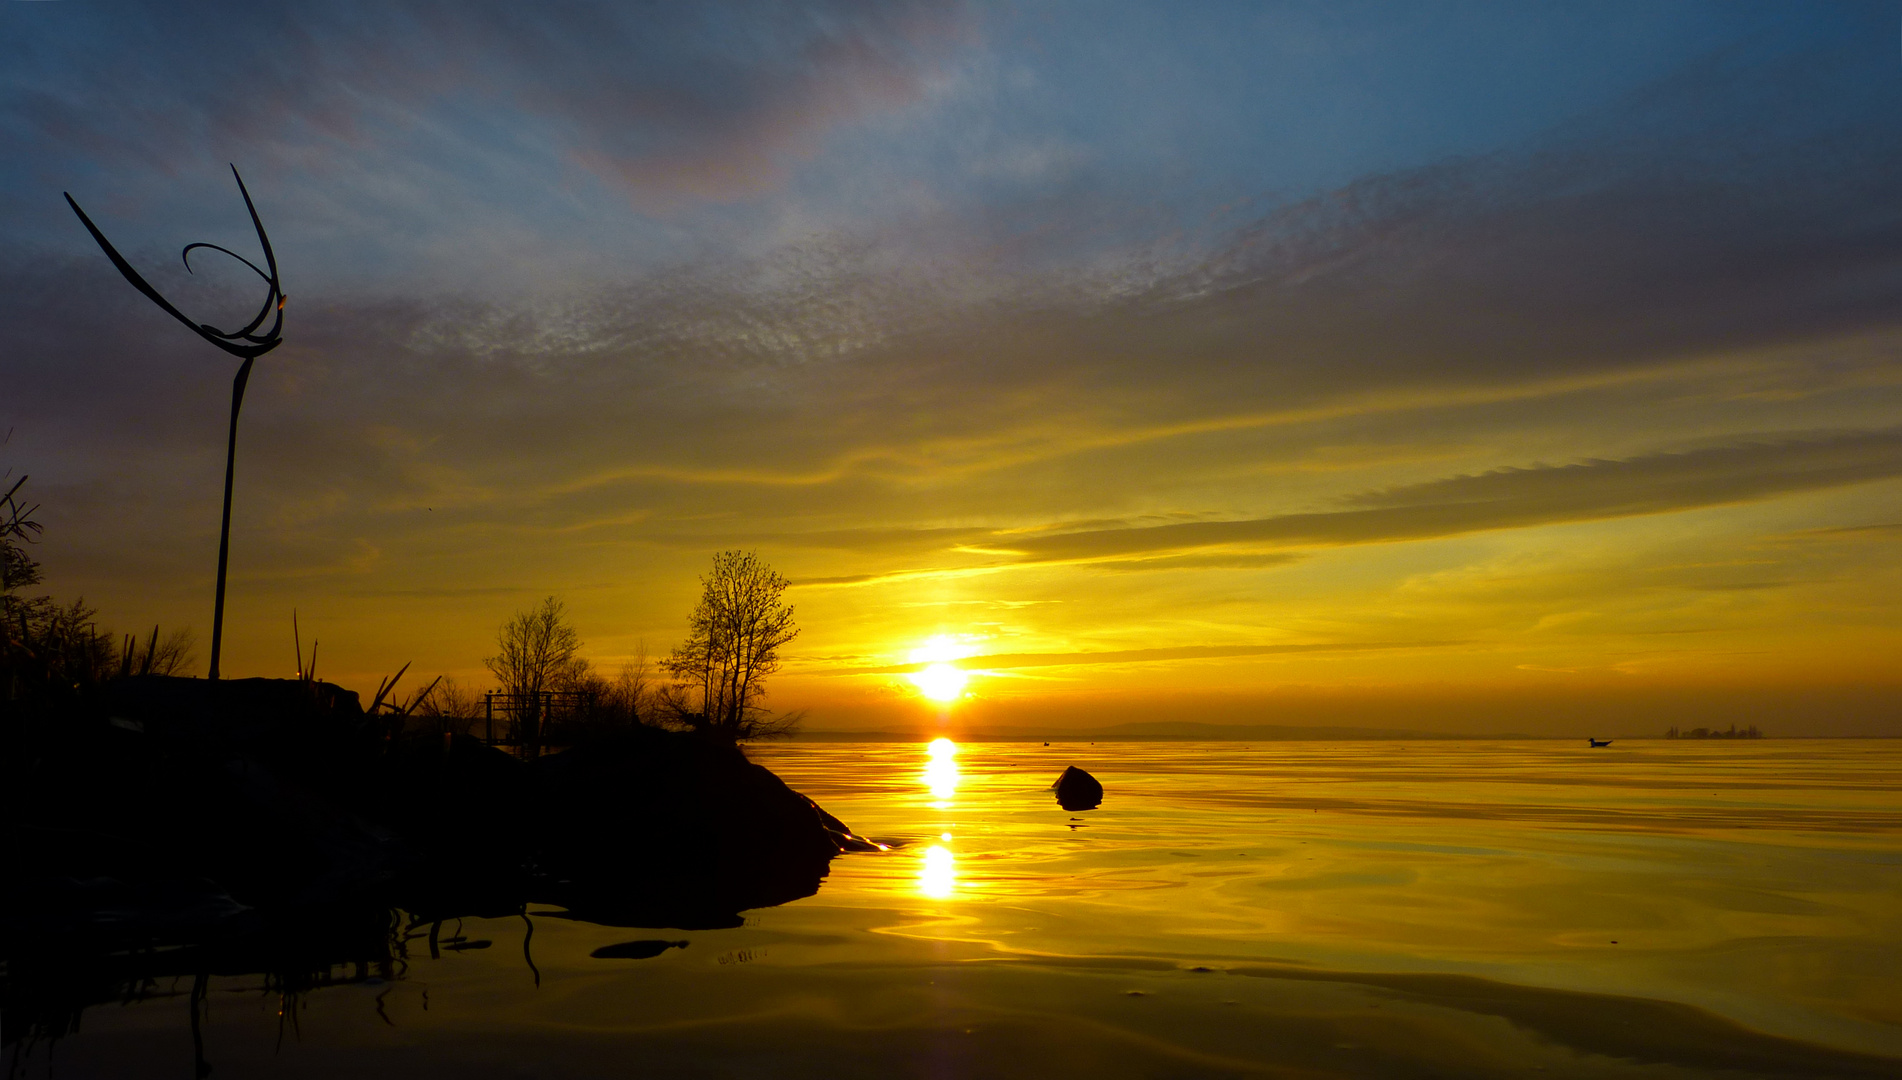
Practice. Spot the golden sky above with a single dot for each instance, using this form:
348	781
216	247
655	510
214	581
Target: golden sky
1500	371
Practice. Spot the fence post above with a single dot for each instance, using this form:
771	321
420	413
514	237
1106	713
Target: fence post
531	710
488	716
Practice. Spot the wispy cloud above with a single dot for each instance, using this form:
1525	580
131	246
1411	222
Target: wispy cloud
666	100
1008	661
1521	497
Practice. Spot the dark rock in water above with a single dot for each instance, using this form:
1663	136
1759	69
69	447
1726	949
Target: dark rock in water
635	950
845	838
1078	790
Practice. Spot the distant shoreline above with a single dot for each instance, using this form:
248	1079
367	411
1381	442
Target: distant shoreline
1165	731
1184	731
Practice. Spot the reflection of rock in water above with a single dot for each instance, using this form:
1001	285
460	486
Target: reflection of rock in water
636	950
50	980
1078	790
272	827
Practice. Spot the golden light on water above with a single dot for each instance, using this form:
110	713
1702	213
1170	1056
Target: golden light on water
941	679
941	771
938	877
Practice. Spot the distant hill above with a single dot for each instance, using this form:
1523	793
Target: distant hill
1160	731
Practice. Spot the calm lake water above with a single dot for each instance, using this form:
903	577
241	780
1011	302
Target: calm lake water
1456	909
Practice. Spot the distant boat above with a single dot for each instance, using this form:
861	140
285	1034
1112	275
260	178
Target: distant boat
1597	742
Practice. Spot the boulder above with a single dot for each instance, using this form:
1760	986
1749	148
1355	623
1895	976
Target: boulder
658	828
282	794
253	784
1077	790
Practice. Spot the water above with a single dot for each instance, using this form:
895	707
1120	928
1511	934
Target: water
1284	909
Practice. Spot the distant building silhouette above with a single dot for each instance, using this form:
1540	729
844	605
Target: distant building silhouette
1750	732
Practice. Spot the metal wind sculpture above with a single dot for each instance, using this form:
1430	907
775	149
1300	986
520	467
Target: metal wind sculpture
246	343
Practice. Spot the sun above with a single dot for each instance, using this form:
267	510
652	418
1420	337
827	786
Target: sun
940	679
941	682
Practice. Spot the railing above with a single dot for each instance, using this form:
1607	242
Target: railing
529	719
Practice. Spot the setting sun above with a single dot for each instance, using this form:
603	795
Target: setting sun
940	680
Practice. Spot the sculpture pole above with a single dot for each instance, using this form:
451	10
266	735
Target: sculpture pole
246	343
224	528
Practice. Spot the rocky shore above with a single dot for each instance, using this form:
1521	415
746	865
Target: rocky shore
168	811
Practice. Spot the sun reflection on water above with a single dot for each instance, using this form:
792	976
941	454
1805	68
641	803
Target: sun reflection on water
938	877
941	771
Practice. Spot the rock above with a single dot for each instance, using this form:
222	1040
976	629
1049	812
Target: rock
429	787
284	795
253	784
171	828
314	731
657	828
1078	790
845	838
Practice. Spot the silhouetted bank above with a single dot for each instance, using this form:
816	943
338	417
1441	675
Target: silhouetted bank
261	822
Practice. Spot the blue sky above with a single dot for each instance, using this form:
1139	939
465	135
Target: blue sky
633	137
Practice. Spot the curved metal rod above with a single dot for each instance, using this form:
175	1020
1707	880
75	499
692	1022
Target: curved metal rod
244	343
187	256
244	334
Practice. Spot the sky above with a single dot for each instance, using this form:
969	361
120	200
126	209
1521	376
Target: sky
1463	367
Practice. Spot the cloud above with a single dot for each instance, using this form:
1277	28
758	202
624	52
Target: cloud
1519	497
1648	235
1880	531
702	101
1008	661
895	379
1224	561
733	129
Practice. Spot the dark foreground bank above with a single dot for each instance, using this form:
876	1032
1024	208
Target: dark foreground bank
179	828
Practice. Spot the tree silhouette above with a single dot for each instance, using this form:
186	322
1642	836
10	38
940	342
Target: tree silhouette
246	343
733	643
537	650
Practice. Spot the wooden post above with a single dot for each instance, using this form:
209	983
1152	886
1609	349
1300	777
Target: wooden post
488	716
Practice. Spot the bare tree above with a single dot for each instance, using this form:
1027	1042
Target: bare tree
629	699
18	569
44	644
173	654
603	704
537	651
734	637
447	709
